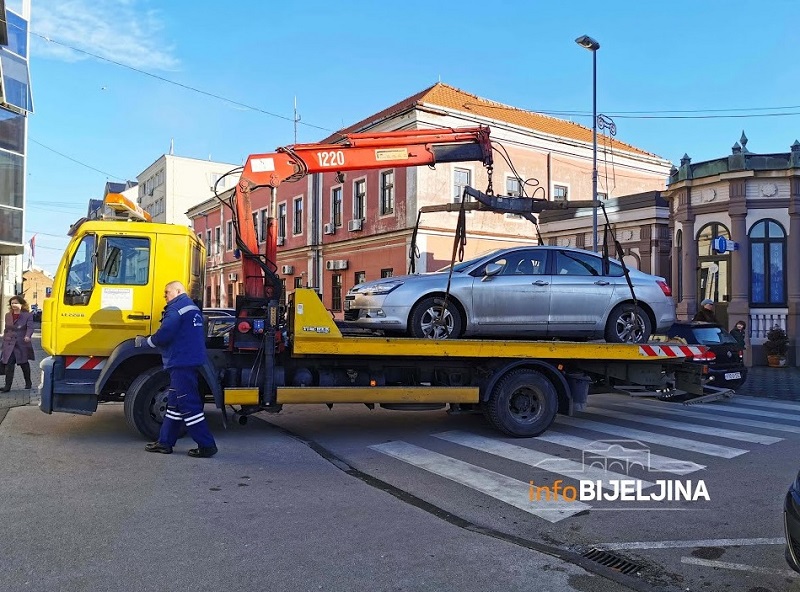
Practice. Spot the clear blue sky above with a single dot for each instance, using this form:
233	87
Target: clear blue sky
345	60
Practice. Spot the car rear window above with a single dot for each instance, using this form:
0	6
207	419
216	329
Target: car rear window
712	336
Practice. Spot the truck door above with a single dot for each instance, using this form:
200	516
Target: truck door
108	294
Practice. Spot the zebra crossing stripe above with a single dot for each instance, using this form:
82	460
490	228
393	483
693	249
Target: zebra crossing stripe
657	463
688	427
739	421
653	438
769	404
501	487
713	407
532	458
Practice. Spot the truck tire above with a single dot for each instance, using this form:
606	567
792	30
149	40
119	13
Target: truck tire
523	403
146	402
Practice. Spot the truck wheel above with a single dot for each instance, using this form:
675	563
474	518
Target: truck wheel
523	403
146	402
423	321
625	326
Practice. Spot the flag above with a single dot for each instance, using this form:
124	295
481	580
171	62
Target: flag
32	244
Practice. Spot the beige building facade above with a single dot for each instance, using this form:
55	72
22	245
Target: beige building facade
338	230
172	184
36	286
752	200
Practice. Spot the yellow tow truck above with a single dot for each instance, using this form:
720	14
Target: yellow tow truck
108	289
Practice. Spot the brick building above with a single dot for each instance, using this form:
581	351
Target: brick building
337	230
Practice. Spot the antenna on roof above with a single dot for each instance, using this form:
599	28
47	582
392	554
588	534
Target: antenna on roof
296	119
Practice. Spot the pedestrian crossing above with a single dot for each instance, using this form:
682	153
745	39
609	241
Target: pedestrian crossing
587	453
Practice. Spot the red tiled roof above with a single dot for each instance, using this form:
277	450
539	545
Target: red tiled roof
449	97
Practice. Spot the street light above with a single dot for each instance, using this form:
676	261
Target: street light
593	46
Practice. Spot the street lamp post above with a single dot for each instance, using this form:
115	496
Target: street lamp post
592	45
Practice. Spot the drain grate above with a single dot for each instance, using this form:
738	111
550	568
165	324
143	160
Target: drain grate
612	561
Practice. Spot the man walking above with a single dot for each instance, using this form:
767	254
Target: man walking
181	339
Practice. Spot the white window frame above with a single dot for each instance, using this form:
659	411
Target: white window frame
364	205
471	171
263	222
381	174
285	219
559	184
513	217
294	215
340	188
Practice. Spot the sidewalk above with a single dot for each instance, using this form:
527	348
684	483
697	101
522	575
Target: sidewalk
772	383
18	395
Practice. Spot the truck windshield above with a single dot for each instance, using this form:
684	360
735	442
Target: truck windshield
80	276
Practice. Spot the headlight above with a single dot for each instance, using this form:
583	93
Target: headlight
796	484
381	288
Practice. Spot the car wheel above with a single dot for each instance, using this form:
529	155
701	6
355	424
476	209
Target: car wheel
628	326
427	321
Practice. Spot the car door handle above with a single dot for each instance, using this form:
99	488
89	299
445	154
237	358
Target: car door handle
541	283
602	283
139	317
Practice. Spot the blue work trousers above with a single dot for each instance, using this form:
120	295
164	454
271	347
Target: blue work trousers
185	407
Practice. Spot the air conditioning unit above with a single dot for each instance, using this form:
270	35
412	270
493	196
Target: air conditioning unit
354	224
335	264
287	269
328	229
279	241
232	277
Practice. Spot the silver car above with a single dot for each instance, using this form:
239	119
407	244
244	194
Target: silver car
523	292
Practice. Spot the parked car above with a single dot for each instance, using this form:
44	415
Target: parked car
37	313
725	357
524	292
791	524
219	323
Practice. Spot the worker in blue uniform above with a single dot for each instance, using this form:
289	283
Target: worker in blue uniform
181	339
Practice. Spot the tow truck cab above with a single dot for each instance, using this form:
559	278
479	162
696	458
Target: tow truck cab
108	289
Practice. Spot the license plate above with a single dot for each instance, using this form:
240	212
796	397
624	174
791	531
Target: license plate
347	304
733	375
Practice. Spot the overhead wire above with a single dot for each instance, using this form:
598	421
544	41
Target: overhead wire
180	84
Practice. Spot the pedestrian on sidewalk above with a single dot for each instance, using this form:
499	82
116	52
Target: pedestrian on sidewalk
738	333
17	347
182	342
706	312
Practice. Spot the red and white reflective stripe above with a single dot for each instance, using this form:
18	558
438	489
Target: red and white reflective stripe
84	362
671	351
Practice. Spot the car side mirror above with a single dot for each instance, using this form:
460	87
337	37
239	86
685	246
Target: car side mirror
492	269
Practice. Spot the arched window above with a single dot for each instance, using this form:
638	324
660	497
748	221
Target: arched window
679	254
713	280
767	264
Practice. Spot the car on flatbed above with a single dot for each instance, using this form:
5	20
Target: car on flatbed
530	292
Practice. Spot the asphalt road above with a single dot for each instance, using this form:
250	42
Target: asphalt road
85	508
743	450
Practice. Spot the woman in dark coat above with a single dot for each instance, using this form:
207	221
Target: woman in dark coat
17	347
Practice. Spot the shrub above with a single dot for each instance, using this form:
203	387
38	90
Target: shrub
777	343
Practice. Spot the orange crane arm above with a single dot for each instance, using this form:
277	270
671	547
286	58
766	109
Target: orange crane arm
355	152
